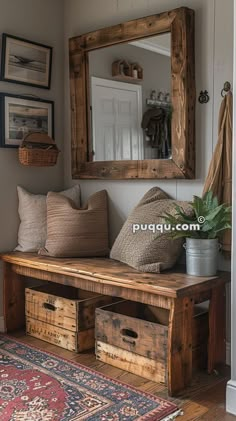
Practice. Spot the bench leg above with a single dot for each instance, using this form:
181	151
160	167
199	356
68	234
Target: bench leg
13	299
217	328
180	345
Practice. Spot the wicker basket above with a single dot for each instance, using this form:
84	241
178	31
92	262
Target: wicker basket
38	150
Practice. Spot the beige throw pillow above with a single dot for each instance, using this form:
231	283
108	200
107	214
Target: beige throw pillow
145	250
32	209
73	232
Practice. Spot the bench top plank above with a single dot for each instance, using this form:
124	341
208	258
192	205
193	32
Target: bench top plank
169	283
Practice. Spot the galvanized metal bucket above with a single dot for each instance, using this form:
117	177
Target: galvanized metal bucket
201	256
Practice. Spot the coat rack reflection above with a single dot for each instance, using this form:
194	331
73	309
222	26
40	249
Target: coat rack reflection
156	124
162	100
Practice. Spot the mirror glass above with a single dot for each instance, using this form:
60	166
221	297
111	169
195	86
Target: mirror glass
130	87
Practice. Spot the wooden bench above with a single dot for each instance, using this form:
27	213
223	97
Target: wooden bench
174	291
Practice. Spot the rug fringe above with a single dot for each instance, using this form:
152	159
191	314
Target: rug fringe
173	416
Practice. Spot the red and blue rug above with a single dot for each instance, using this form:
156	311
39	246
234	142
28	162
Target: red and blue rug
38	386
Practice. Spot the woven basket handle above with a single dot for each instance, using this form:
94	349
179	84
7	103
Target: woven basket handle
36	137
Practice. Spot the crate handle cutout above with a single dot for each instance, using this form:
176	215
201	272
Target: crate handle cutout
50	307
129	332
128	341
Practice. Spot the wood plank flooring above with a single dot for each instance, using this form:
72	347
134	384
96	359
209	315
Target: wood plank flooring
203	400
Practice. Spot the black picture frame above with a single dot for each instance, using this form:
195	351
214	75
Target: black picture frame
26	62
15	122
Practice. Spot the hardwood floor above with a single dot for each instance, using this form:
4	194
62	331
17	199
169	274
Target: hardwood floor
203	400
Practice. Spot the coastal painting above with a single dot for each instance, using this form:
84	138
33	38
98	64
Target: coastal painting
26	62
21	116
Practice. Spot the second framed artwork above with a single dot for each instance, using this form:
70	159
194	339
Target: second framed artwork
26	62
20	115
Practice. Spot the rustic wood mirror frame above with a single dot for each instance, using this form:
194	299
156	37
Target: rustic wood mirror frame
180	23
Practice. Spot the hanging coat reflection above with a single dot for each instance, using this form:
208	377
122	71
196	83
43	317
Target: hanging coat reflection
156	124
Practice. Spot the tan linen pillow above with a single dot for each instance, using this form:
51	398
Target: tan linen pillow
145	250
32	210
73	232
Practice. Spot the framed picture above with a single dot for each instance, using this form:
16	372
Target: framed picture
26	62
20	115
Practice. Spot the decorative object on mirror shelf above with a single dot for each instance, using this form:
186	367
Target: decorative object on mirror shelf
203	231
203	97
137	71
21	115
125	70
121	68
38	150
26	62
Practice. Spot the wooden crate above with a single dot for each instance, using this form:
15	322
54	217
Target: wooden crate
130	337
62	315
134	337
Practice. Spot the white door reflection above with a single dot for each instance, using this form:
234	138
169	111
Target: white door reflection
116	116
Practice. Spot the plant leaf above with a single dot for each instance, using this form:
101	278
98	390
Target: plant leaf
217	217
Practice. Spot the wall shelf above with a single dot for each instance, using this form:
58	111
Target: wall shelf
127	78
123	70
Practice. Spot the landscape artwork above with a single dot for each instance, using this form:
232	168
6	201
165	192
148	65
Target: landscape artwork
23	116
26	62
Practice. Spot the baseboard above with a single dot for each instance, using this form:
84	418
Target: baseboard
231	397
2	324
228	353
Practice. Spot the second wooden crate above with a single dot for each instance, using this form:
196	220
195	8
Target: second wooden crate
130	337
134	337
63	315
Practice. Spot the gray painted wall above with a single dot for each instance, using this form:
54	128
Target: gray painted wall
39	21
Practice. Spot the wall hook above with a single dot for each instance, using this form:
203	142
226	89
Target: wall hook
203	97
226	88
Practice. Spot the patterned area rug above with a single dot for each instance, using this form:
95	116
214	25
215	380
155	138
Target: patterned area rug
39	386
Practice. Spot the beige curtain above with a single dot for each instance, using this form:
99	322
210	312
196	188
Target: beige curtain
219	178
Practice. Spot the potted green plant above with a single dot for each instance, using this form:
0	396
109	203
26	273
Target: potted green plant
202	230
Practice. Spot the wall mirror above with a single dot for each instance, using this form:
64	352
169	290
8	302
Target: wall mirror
133	99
